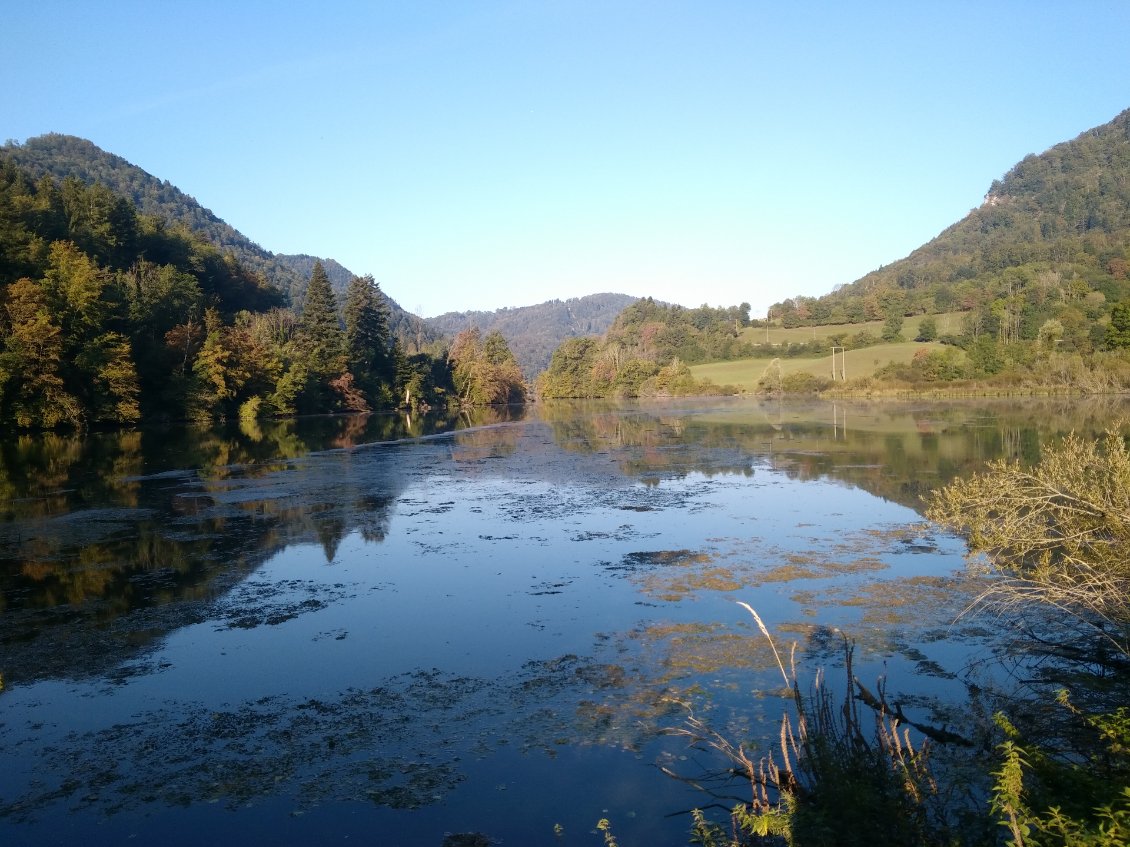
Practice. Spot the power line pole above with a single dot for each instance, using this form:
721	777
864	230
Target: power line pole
843	363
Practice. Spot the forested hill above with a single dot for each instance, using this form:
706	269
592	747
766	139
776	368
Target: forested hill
303	265
1064	212
62	156
534	332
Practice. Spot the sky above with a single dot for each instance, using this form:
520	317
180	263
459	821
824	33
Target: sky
481	155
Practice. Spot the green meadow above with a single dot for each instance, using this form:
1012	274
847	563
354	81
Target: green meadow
745	373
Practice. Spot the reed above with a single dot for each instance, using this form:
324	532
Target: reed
845	770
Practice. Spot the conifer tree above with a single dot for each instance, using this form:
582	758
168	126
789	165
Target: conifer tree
369	353
321	345
319	329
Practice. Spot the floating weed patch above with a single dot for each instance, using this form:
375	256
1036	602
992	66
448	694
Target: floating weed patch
913	538
396	745
819	567
260	603
890	609
903	600
741	567
684	650
676	588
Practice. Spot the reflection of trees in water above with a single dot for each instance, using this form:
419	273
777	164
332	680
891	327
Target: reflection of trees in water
897	452
92	531
89	540
48	474
647	445
97	528
471	446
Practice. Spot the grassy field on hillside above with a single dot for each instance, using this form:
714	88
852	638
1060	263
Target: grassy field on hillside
745	373
947	323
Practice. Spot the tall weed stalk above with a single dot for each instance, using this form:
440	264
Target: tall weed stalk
844	771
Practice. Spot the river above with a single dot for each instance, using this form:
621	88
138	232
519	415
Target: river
391	631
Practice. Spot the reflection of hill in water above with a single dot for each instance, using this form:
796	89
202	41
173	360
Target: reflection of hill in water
108	544
897	451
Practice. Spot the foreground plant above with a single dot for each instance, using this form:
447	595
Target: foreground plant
1054	535
1057	533
837	777
1077	800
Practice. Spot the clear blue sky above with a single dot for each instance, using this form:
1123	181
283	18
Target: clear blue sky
475	155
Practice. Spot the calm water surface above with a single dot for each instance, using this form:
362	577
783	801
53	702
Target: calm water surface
385	631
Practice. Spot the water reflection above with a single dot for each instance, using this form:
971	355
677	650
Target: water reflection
109	524
897	451
97	528
363	611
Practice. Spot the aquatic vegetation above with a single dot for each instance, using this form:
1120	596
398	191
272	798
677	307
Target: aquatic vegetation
846	770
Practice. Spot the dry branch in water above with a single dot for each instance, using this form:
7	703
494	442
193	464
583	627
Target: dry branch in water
836	769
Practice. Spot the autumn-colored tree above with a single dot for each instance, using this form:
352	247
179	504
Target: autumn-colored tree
215	380
570	369
89	304
32	389
484	371
672	380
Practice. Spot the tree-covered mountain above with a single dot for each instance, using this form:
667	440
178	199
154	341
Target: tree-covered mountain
1057	225
1039	274
303	266
110	316
534	332
61	156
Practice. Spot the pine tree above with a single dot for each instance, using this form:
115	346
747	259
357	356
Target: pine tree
368	349
321	346
319	330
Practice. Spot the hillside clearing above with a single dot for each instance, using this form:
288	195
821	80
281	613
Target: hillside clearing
745	373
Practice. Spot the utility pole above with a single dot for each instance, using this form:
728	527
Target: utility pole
843	363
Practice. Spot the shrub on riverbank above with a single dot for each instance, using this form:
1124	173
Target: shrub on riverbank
1055	535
